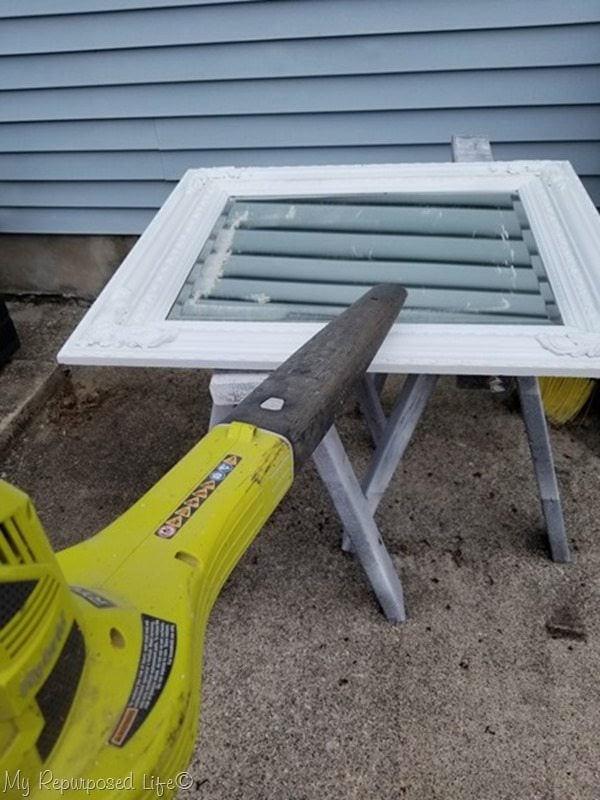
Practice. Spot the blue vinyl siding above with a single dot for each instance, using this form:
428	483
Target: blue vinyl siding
105	103
295	58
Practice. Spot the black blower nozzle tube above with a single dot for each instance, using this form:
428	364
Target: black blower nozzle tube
314	382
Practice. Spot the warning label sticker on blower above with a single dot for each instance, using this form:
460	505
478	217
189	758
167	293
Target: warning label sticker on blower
159	640
199	495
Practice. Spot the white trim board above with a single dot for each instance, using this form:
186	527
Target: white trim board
127	324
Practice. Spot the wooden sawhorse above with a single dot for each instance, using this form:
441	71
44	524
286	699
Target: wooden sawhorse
356	501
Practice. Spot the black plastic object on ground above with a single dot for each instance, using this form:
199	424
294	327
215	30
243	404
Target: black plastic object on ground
9	341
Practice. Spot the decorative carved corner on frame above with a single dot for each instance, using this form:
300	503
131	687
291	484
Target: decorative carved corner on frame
111	329
574	345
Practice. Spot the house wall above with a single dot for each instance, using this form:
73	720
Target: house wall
105	103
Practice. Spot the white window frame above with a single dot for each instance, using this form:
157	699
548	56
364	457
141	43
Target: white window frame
127	324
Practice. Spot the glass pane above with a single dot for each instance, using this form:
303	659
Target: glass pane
464	257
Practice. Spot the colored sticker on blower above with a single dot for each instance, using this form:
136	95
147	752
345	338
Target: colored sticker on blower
197	497
159	640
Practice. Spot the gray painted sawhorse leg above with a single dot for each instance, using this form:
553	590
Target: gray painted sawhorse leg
336	472
368	398
335	469
477	148
393	439
543	463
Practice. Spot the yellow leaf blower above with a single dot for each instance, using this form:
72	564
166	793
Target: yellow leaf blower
101	644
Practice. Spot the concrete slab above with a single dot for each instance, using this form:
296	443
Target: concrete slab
490	689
